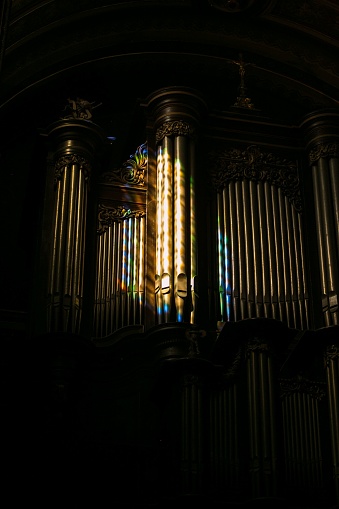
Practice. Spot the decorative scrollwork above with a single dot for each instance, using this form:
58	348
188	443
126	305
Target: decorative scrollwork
132	172
331	353
253	164
302	385
70	160
174	127
108	215
323	150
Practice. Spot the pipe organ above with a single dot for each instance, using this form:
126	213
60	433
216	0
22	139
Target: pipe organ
249	406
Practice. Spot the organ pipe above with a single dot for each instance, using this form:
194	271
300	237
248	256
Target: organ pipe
260	238
332	374
119	293
74	142
301	428
176	113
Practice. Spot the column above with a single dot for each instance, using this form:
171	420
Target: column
322	137
176	113
74	142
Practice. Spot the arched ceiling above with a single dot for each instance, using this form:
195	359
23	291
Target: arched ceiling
117	52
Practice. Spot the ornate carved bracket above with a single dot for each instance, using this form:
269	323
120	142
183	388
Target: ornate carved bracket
70	160
323	150
132	172
174	128
108	215
253	164
301	385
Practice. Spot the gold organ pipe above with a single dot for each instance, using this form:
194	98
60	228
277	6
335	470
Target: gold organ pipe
279	256
159	223
193	231
180	218
329	236
256	249
242	249
221	257
82	228
303	269
102	284
70	231
70	246
118	274
248	253
124	269
107	285
167	228
234	252
272	251
321	247
142	267
98	285
293	275
225	242
328	224
299	280
334	176
113	290
264	251
61	245
286	260
55	261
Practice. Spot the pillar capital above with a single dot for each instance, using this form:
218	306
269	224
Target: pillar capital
321	128
75	137
183	105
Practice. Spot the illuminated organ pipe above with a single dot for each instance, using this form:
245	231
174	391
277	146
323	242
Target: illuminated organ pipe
260	238
119	293
74	143
176	253
176	112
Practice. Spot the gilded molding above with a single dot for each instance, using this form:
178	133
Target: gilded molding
174	128
70	160
255	165
323	150
108	215
290	386
132	172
